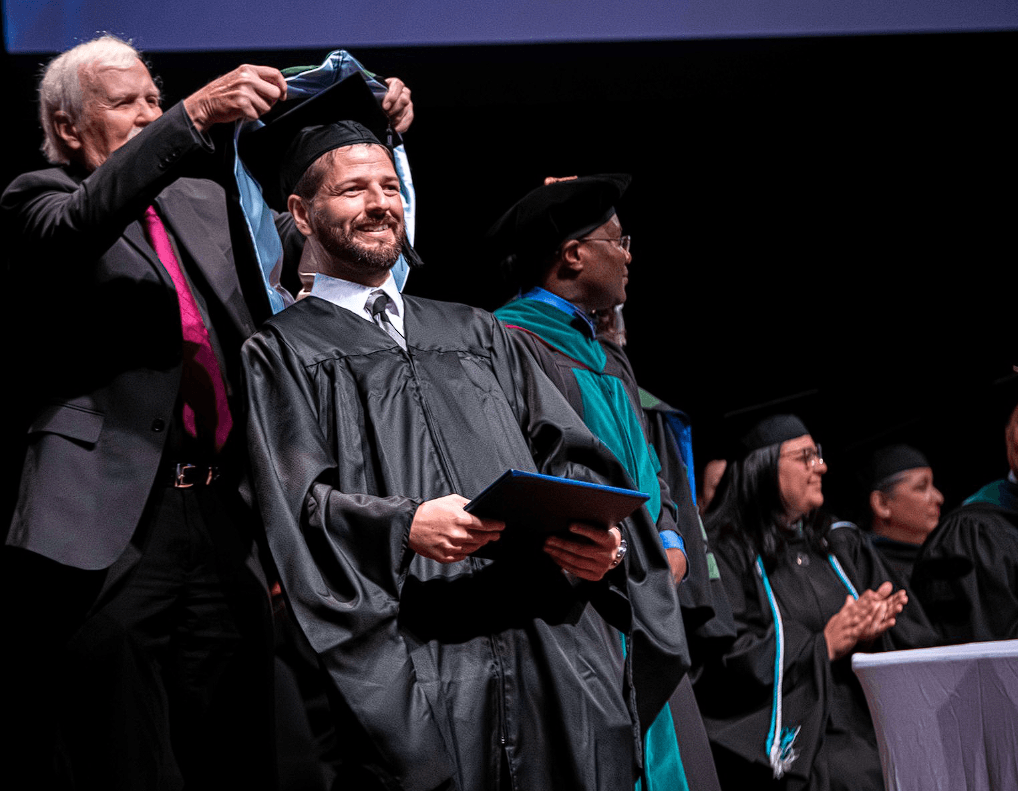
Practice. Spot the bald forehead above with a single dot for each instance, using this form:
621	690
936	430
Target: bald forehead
94	70
101	81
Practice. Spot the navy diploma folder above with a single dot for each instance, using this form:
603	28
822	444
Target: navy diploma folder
550	504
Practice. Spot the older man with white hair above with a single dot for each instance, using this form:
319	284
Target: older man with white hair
137	622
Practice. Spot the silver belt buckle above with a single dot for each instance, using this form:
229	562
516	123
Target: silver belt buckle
180	482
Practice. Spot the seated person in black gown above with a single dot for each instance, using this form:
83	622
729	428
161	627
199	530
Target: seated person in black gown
782	706
966	571
904	505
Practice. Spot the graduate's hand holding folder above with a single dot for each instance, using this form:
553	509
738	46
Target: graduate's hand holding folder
579	519
444	531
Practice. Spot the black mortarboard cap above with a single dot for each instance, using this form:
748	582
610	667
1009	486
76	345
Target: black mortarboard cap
771	431
279	153
891	460
553	213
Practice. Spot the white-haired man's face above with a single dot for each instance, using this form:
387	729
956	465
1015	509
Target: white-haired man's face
117	104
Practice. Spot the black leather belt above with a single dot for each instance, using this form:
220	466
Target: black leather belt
184	476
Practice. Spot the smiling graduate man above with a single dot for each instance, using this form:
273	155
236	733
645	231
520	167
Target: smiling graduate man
373	417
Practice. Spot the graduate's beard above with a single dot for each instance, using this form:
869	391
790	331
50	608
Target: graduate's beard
341	245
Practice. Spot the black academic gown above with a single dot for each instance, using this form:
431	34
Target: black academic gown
836	743
444	671
705	609
967	572
898	555
706	613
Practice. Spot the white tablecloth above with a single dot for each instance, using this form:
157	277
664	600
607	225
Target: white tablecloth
946	718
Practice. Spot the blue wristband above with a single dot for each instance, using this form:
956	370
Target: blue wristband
672	540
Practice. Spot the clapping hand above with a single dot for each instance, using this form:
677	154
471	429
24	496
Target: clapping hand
863	620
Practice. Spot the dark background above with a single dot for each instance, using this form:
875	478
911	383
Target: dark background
826	223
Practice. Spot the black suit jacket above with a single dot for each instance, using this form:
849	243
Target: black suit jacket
98	355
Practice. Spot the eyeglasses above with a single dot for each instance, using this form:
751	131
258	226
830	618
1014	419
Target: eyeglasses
810	457
623	242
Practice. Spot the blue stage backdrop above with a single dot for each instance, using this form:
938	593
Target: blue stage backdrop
190	25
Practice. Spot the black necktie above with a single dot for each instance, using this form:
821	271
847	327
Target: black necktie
376	304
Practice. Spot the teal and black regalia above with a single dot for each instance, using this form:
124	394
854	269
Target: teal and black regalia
447	675
598	382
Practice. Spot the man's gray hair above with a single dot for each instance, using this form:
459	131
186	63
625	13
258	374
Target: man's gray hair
60	87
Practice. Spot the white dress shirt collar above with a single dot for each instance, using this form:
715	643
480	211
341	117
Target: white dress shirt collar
354	297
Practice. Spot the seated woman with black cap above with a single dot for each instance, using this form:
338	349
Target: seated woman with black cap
904	505
781	704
